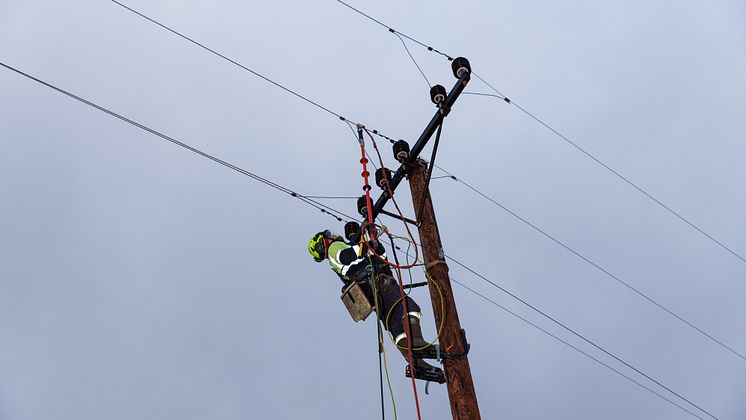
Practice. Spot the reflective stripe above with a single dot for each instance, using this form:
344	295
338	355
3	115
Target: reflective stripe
336	266
400	337
334	249
417	315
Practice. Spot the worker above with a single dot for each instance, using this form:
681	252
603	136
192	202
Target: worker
351	264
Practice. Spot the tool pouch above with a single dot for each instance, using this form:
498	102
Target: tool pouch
357	302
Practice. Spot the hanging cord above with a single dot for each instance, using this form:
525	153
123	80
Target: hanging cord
381	348
402	299
381	258
430	167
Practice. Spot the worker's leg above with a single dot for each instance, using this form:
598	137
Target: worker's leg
393	318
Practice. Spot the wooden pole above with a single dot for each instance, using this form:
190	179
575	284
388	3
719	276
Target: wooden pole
459	382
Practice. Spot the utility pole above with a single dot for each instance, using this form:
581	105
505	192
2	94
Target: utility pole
461	393
453	348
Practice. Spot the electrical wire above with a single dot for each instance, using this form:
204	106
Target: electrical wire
575	333
563	137
524	302
354	133
404	44
325	209
381	348
320	206
242	66
264	180
606	365
442	318
564	341
598	267
609	274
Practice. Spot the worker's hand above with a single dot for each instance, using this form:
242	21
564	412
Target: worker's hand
376	246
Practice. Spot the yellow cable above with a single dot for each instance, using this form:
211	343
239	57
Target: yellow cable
442	318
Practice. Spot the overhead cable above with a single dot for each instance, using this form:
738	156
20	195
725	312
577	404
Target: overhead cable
560	135
609	274
606	365
575	333
323	208
566	343
320	206
596	266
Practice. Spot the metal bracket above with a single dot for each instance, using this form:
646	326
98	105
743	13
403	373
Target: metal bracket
434	351
396	216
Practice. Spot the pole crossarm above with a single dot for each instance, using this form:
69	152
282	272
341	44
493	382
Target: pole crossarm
415	151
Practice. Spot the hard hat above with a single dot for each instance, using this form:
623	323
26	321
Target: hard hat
317	246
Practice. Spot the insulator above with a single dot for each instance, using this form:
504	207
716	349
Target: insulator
383	175
362	206
438	94
459	66
401	150
351	230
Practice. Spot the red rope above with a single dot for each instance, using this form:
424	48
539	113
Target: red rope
398	210
407	328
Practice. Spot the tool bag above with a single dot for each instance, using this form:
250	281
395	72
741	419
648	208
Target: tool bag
357	302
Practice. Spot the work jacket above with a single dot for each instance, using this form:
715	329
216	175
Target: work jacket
350	264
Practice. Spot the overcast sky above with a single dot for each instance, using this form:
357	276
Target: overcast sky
139	280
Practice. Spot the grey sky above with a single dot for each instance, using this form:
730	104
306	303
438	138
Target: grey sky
141	281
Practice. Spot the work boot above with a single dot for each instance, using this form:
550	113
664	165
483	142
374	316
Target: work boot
417	343
414	327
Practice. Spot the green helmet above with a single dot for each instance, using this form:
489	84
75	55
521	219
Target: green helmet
317	246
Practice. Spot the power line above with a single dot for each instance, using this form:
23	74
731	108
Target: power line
332	197
573	347
265	78
255	73
231	61
307	200
575	333
595	265
404	44
563	137
609	274
546	234
549	333
320	206
236	63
